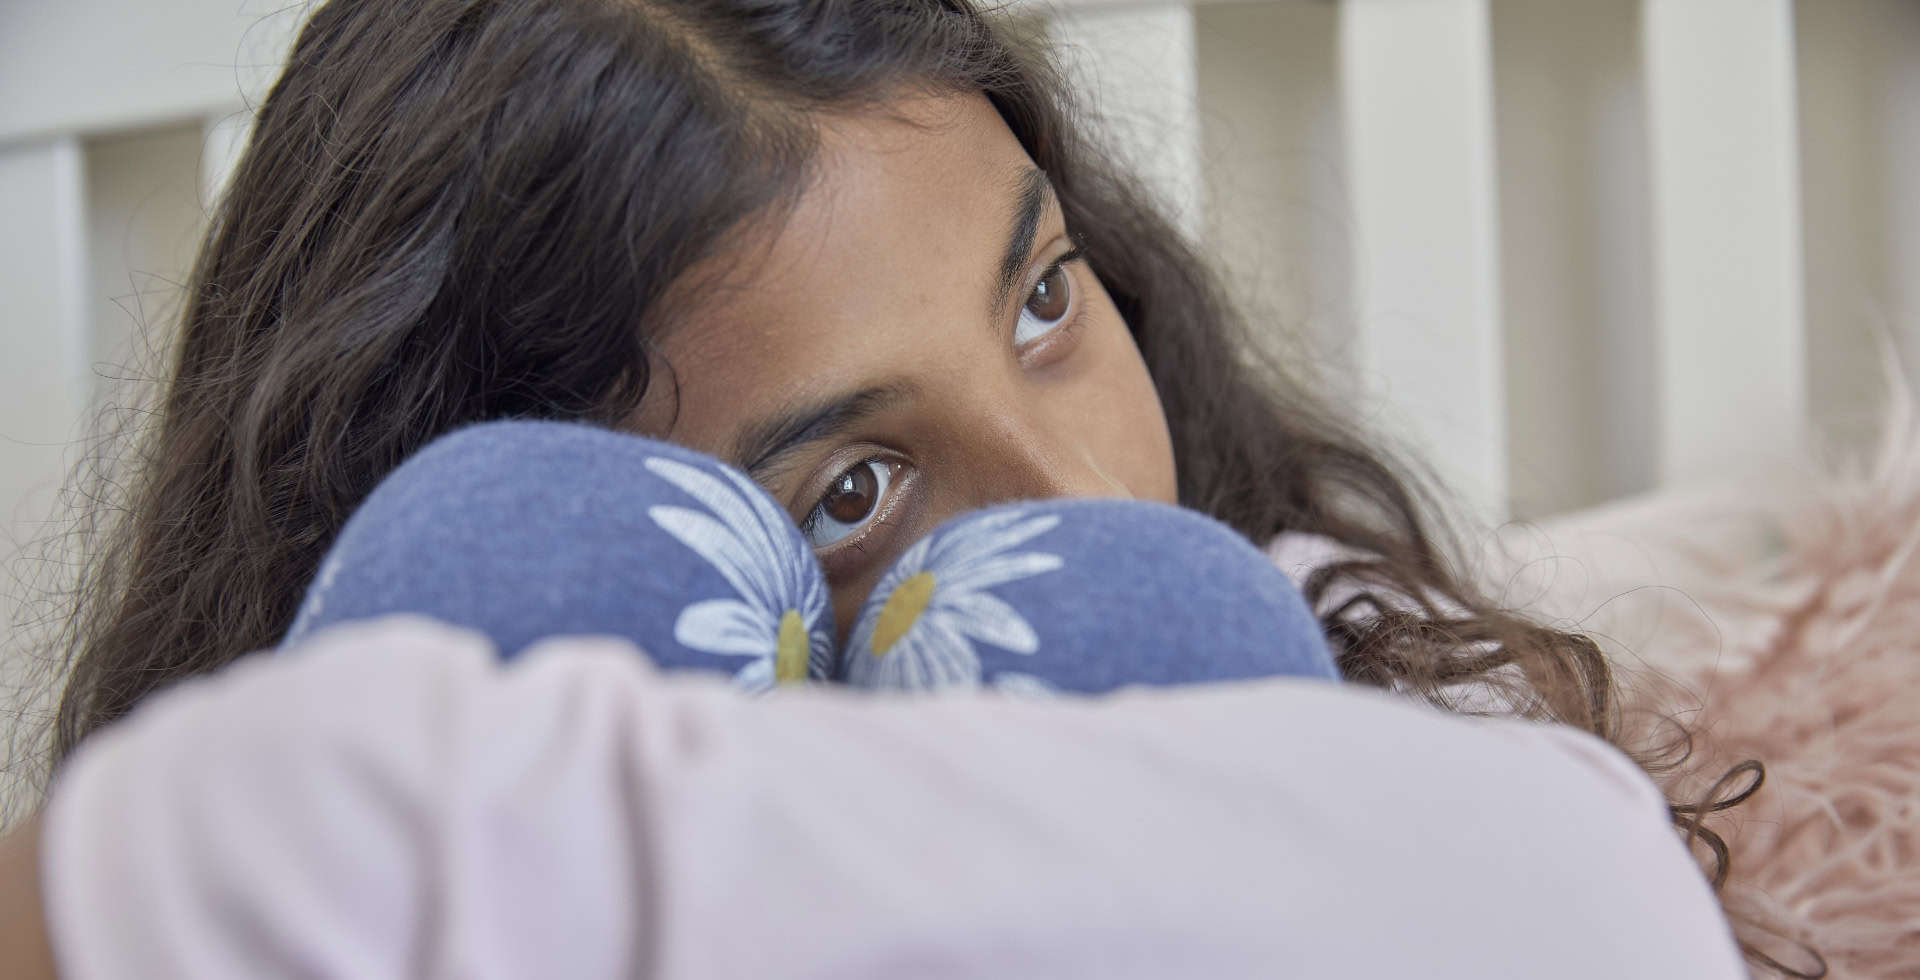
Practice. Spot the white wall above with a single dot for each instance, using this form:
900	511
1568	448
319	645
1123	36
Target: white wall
1575	246
1135	63
144	219
98	66
1722	138
42	375
1417	99
43	386
1274	171
1859	117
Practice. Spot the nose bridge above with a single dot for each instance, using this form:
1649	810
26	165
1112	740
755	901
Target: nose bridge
1025	454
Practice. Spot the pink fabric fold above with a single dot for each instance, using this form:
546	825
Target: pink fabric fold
391	800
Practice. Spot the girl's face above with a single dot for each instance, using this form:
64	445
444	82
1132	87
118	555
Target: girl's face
917	338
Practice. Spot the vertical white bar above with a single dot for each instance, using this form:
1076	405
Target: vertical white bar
1416	78
1573	252
1731	380
1135	66
1845	210
224	138
1898	109
145	218
43	362
43	378
1274	169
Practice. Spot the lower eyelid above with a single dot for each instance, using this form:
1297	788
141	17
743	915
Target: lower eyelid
1043	348
1073	311
855	546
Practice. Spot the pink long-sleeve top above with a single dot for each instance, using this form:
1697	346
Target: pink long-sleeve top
391	800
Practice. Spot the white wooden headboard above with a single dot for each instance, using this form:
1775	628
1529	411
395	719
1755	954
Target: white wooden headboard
1567	250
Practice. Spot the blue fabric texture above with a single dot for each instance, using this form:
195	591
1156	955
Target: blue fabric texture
1082	595
528	530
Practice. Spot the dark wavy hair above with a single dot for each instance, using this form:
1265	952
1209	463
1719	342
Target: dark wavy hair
459	210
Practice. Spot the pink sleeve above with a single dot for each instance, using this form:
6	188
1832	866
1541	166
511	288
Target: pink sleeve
391	801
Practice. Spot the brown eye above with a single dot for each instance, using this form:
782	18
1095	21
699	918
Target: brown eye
1047	305
849	503
853	496
1049	298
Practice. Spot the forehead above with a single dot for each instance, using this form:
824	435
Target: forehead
892	247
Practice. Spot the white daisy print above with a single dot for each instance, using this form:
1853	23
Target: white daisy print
779	616
918	630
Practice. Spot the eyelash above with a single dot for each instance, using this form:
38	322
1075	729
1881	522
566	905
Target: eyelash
833	557
1070	256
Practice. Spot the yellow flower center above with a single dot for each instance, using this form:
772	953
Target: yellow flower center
902	610
790	652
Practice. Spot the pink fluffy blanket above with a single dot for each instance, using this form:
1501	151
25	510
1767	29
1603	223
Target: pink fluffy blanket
1780	620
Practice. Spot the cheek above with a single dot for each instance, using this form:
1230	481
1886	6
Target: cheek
1130	424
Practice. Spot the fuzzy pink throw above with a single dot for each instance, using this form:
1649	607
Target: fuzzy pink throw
1780	620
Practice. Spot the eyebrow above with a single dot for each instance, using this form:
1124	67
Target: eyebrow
763	444
1034	193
